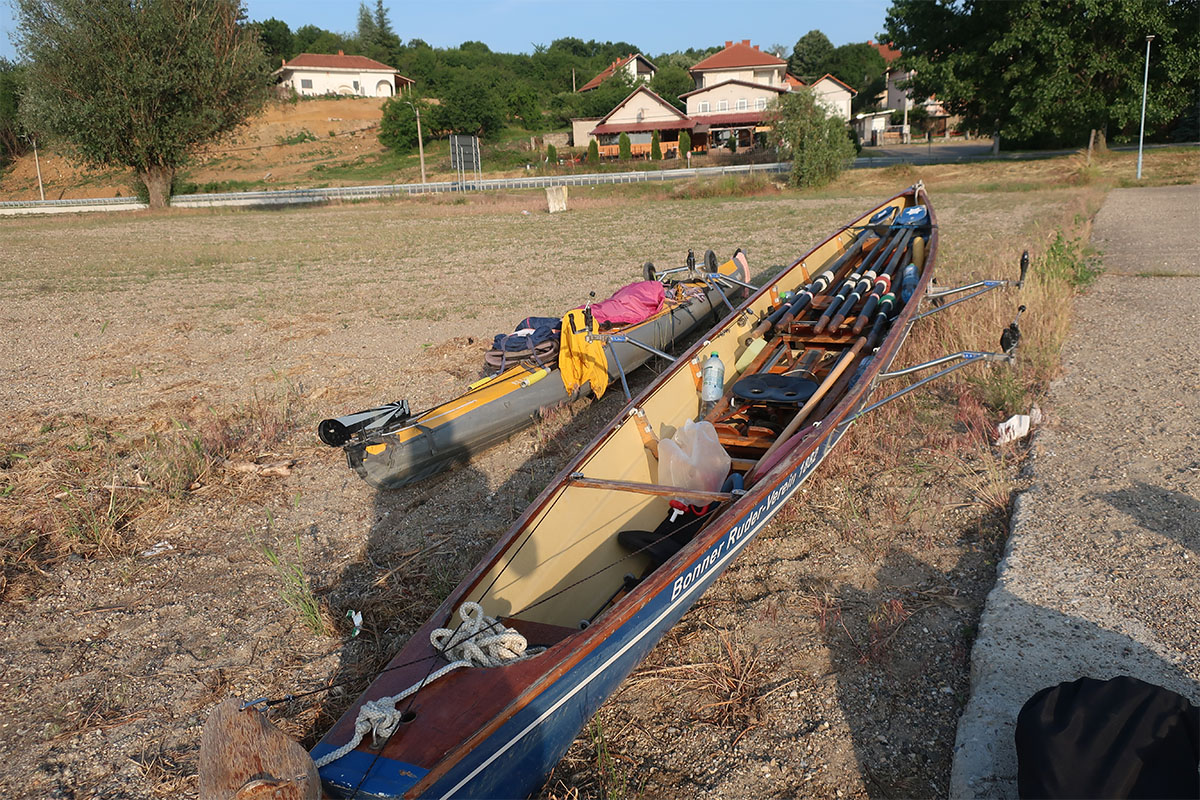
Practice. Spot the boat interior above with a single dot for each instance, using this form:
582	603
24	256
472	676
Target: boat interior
786	368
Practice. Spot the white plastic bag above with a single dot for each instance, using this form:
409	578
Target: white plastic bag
693	458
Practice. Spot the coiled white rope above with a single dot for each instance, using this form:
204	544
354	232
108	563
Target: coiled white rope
479	641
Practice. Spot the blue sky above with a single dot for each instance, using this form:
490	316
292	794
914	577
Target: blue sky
514	26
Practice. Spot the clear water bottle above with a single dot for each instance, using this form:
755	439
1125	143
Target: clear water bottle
908	282
712	383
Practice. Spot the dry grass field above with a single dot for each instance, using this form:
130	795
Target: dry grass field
160	478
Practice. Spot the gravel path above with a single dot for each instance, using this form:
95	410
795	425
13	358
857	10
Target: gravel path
1100	574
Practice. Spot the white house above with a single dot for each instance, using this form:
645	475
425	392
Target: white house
834	94
638	116
311	74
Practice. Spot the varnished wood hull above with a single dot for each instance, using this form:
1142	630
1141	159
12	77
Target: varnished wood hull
496	732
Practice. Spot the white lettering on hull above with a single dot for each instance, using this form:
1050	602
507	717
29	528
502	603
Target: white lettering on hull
750	523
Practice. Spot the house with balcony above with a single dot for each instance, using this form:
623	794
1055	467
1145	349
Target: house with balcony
733	89
635	66
315	74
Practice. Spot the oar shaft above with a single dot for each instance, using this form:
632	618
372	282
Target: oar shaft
805	294
875	257
868	276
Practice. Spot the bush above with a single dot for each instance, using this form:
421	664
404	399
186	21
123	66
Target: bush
655	147
626	149
552	154
816	143
685	144
469	106
593	153
731	143
398	127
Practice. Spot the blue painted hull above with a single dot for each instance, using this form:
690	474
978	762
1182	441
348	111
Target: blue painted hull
514	760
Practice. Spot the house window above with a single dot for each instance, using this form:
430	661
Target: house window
306	83
760	104
704	107
356	86
722	105
742	105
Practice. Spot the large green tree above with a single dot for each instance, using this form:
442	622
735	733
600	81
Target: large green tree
311	39
810	54
139	84
276	38
398	125
469	105
817	144
376	38
859	65
1044	74
670	82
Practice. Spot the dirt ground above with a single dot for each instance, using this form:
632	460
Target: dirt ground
830	660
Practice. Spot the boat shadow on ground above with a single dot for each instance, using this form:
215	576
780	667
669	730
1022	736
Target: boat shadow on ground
1040	647
424	539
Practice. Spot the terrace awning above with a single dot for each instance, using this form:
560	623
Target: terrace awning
643	127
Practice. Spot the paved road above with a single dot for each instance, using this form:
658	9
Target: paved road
1101	576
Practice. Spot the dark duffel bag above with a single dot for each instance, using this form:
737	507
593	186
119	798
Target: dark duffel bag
1120	738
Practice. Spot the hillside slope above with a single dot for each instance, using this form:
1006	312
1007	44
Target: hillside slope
306	143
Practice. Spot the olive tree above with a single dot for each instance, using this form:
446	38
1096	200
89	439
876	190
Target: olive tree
139	84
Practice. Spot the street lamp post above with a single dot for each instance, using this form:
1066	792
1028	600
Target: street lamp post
1145	85
420	140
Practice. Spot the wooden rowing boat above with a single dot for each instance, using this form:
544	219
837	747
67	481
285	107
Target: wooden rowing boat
390	448
558	577
488	695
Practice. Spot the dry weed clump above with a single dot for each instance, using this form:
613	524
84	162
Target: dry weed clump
73	483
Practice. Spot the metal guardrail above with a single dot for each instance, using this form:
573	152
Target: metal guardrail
302	196
483	185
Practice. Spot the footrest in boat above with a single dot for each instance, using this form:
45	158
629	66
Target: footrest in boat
768	387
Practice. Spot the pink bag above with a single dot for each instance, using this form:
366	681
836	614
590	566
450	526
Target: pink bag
630	304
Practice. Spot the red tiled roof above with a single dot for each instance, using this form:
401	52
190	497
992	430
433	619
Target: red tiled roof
888	52
736	55
610	69
780	89
793	81
322	61
644	127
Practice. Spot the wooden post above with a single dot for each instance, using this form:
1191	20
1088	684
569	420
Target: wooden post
1091	142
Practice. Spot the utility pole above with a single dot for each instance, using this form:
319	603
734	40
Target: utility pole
1145	85
42	192
420	139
